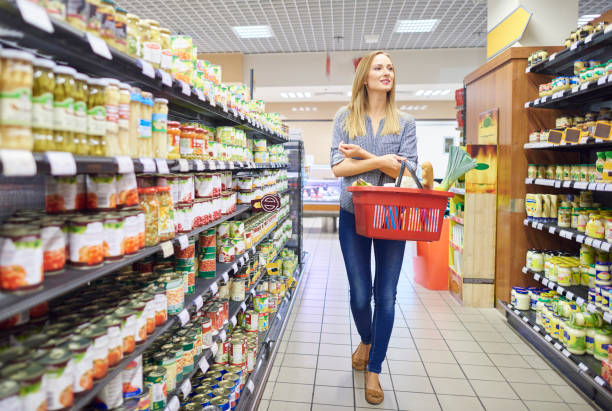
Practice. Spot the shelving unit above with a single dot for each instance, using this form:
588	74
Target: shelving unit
576	185
455	251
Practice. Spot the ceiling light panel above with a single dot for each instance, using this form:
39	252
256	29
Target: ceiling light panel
415	26
253	32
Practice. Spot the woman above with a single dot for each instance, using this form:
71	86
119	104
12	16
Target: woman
371	138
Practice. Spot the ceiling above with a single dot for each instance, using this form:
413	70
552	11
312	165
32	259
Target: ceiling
324	25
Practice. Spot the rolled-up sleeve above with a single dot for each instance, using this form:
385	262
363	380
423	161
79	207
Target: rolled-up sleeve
335	156
408	145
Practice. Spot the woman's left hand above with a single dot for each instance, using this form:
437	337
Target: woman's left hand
352	151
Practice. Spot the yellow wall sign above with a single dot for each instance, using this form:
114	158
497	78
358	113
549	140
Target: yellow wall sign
507	31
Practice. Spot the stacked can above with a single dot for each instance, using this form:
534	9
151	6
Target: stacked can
185	264
207	254
225	250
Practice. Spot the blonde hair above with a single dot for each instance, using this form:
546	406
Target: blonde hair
354	125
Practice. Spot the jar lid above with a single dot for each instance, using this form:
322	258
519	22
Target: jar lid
161	100
57	355
163	189
16	54
147	190
8	388
46	63
81	77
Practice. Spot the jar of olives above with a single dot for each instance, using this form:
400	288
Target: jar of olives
42	104
96	117
80	114
15	99
121	22
133	35
63	108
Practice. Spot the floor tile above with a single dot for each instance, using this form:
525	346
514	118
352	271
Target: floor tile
508	360
437	356
581	407
523	349
402	332
336	319
407	368
536	362
425	333
413	401
403	354
268	391
420	323
335	350
500	404
336	328
411	383
450	325
307	327
336	339
309	318
452	386
535	392
334	378
333	395
568	394
334	363
444	370
401	342
472	358
296	375
466	346
459	403
497	348
300	361
482	372
327	407
521	374
273	374
550	377
546	406
489	336
286	405
295	392
493	389
263	405
302	348
457	335
430	344
304	337
388	403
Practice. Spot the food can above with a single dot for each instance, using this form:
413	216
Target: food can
201	400
210	383
9	395
222	356
177	351
226	254
131	378
223	230
188	355
260	302
221	403
129	330
115	339
21	258
144	400
232	388
29	376
263	321
54	244
234	378
204	185
236	229
58	378
238	243
237	353
160	303
111	395
81	363
85	239
175	293
215	375
251	357
155	379
99	349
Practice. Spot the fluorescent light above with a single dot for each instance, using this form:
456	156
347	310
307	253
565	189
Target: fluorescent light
423	107
585	18
409	108
428	92
314	109
419	92
307	94
436	92
403	107
293	108
301	108
291	94
415	26
253	32
348	93
299	94
370	38
307	108
284	95
445	92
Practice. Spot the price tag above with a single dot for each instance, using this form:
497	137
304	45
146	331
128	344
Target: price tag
527	104
551	230
167	248
184	317
35	15
173	404
525	319
203	363
557	184
211	101
253	292
61	163
246	256
580	238
231	165
183	241
185	88
588	241
242	116
200	95
569	295
99	46
597	243
607	317
214	288
565	234
235	268
517	312
225	277
214	349
225	109
592	186
548	338
584	86
583	367
528	69
560	289
186	387
233	321
241	261
534	224
250	386
540	226
552	57
567	184
579	300
162	166
199	165
574	46
588	39
148	165
243	307
18	163
536	277
147	69
600	380
543	99
536	102
575	89
223	335
166	78
566	353
545	281
212	165
535	327
524	270
279	316
591	308
183	165
124	164
199	302
601	187
609	186
529	180
602	80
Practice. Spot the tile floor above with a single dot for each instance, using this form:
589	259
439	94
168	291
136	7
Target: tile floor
441	355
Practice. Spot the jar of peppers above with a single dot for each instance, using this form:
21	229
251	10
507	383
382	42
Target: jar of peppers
174	138
150	205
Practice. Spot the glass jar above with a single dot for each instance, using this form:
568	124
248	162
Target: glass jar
15	100
565	216
42	105
96	117
81	95
107	10
174	138
150	50
150	206
166	214
160	128
121	21
198	143
134	124
186	141
595	227
123	133
55	9
133	35
603	338
145	140
94	17
111	102
77	14
166	49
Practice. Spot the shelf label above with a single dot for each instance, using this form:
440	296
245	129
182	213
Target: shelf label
18	163
233	321
147	69
167	248
569	295
225	108
162	166
565	234
548	338
99	46
214	349
214	288
575	89
241	262
536	102
517	312
605	246
174	404
185	88
183	241
200	95
212	165
250	386
602	80
584	86
225	277
601	187
35	15
184	317
597	243
580	238
231	165
223	335
235	268
529	180
243	306
551	230
591	308
61	163
609	186
534	224
148	165
253	292
525	319
600	380
203	363
574	46
543	99
567	184
211	101
560	289
535	327
166	77
199	302
524	270
186	387
607	317
536	277
566	353
557	184
588	39
583	367
592	186
588	241
246	257
540	226
527	104
199	165
545	281
279	316
580	185
124	164
183	165
579	300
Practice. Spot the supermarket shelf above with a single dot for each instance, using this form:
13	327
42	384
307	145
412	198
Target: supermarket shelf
457	220
592	145
582	370
254	387
577	185
577	97
202	286
72	278
454	272
562	62
72	46
460	191
578	293
456	247
570	234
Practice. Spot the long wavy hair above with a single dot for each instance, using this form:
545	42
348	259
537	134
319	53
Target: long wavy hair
354	124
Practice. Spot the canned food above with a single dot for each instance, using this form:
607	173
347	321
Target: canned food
101	192
81	364
155	379
9	395
221	402
58	378
237	350
223	230
21	258
85	238
263	321
32	395
111	395
222	356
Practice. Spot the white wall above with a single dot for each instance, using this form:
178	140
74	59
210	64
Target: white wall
430	143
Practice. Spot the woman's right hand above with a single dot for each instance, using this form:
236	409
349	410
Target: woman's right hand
390	162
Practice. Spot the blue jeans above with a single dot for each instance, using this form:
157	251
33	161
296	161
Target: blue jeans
389	255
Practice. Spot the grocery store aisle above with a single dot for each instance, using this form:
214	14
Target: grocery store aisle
441	356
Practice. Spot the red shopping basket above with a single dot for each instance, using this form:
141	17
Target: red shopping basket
395	213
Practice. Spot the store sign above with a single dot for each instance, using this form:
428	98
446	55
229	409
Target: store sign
268	203
507	32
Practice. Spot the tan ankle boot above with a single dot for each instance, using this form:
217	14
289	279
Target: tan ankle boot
373	391
360	357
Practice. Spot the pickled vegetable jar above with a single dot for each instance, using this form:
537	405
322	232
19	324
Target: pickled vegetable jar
145	141
121	21
15	100
96	117
134	123
186	142
166	52
160	128
198	143
107	10
123	135
133	35
150	206
166	214
81	141
174	138
111	102
42	105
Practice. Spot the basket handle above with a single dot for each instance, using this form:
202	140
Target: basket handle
412	173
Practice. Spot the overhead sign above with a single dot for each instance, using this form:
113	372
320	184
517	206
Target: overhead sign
507	32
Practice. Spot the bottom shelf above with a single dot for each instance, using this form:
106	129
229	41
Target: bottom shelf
582	370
